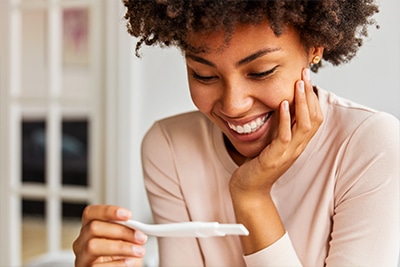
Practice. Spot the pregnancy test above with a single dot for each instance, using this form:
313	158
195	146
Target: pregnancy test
187	229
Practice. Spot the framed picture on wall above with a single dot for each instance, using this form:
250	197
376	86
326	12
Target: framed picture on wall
75	36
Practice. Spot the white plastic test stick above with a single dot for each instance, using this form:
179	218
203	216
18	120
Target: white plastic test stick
187	229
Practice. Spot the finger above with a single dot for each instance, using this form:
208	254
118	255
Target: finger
121	262
302	124
113	248
105	213
96	235
279	145
98	249
314	107
285	129
108	230
306	77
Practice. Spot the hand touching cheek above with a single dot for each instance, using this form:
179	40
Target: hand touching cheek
293	135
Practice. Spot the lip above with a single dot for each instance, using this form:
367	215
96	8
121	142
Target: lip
252	136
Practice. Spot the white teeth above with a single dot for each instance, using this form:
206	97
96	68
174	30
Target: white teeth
249	127
253	125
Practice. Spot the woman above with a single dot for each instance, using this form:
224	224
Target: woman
312	176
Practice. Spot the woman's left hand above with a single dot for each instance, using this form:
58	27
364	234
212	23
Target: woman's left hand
251	183
261	172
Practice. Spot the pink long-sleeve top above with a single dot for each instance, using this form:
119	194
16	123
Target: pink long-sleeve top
339	201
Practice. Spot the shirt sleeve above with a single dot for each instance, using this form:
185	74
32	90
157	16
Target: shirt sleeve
280	253
366	207
166	200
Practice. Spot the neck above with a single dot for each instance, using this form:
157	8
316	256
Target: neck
238	158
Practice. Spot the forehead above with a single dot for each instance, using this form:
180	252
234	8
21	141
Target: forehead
243	36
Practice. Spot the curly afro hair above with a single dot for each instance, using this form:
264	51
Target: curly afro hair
337	25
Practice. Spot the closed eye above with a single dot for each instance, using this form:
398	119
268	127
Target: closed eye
264	74
204	79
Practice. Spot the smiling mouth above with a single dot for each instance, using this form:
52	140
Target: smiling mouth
251	126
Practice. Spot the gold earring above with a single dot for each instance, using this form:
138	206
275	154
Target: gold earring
316	60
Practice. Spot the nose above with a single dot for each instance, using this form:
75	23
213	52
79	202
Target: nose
236	100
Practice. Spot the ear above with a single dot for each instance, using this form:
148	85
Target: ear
315	51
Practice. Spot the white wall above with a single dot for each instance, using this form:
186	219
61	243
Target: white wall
158	89
139	91
373	77
164	86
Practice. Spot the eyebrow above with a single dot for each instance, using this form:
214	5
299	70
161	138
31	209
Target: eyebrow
256	55
241	62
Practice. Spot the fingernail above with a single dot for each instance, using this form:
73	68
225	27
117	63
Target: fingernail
285	105
138	250
123	213
301	86
140	237
307	74
130	262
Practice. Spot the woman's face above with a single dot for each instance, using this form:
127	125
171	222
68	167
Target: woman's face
240	86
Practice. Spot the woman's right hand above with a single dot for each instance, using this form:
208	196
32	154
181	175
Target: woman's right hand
104	243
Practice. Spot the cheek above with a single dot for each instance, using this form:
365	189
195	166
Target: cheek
278	91
201	98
